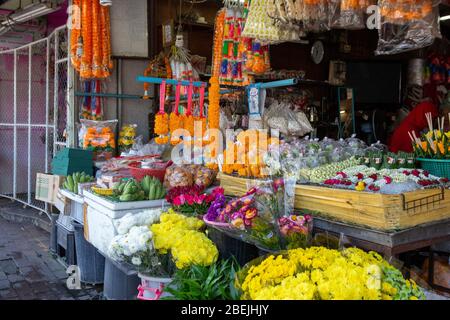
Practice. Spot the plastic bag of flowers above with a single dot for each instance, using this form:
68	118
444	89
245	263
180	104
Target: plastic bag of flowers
318	273
136	248
181	237
259	218
252	218
191	201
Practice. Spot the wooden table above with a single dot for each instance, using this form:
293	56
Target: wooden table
391	244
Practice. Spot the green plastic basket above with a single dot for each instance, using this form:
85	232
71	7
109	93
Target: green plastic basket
437	167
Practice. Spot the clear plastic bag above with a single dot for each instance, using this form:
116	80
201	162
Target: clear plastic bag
407	25
347	14
127	137
98	136
316	15
280	117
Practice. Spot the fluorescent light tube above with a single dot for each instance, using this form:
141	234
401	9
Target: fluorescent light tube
33	11
444	18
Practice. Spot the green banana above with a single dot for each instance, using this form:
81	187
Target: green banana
70	183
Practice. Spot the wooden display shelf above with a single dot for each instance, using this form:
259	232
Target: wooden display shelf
373	210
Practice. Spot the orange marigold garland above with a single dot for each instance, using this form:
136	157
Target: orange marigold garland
86	31
162	118
214	104
201	117
75	34
218	40
97	47
175	119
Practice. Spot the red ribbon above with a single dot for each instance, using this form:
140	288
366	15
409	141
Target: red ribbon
202	100
190	91
162	96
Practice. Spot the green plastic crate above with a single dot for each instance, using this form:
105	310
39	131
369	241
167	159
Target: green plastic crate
68	170
75	153
436	167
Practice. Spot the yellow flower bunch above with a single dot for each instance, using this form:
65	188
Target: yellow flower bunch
194	248
323	274
179	235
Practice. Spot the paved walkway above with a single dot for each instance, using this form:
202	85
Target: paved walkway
27	269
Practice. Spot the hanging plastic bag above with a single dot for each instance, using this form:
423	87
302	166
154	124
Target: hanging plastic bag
347	14
407	25
98	136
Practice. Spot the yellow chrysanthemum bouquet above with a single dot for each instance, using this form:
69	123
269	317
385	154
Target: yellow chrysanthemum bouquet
181	237
318	273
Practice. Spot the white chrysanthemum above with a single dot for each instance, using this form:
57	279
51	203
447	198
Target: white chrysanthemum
136	261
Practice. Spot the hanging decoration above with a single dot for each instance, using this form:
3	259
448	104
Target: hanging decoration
218	39
162	118
188	120
91	108
175	118
201	117
214	104
90	45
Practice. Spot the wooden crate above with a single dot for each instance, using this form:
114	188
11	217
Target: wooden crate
373	210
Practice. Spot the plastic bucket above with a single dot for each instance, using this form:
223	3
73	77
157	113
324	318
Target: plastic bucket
90	261
120	282
152	288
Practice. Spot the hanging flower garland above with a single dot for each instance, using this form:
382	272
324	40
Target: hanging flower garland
218	39
97	47
201	117
86	32
214	104
176	119
74	38
162	118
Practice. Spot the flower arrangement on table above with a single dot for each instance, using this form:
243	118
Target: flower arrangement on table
192	201
181	237
157	242
318	273
259	218
391	181
134	243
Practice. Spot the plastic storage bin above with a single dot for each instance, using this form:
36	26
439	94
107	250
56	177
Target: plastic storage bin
120	281
102	214
228	247
65	247
90	262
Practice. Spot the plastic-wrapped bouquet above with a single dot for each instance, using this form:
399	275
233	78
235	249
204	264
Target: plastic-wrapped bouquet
144	218
191	201
136	247
253	217
297	230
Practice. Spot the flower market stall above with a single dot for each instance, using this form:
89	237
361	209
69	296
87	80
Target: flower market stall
256	177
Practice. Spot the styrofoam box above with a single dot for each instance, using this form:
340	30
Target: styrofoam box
102	213
76	205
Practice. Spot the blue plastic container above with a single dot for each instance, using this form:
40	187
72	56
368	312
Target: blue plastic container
90	261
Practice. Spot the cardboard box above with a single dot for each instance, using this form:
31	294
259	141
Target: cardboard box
47	187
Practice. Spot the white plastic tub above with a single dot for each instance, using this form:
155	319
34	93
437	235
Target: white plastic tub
102	215
115	209
76	205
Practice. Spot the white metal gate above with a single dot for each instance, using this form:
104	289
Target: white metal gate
33	113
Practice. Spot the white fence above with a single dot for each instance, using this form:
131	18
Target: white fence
33	113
